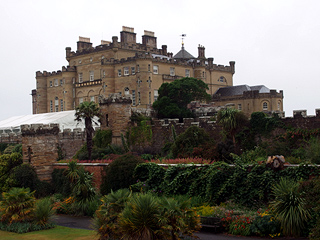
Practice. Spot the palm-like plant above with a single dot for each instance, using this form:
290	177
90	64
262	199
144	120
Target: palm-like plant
178	218
43	211
139	218
106	217
231	119
87	111
17	205
290	207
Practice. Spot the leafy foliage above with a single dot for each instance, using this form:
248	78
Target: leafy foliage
185	143
290	207
87	111
119	173
17	205
175	96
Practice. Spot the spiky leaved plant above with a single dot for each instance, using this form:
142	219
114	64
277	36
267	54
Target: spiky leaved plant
17	205
106	217
289	207
139	219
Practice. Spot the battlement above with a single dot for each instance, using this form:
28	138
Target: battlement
12	137
116	98
55	73
166	59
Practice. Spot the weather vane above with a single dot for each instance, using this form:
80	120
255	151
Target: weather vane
182	37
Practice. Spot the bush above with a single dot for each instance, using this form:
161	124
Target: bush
24	227
17	205
289	207
102	138
119	173
43	211
185	143
265	225
60	182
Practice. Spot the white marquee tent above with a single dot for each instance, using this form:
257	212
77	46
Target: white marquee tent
64	119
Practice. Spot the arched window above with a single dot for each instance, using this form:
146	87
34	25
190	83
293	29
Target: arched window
126	91
56	104
279	105
265	106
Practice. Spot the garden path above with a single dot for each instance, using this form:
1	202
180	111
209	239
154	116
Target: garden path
86	223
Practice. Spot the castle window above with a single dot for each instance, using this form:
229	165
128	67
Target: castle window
133	97
107	120
203	74
222	79
51	106
50	83
102	57
103	73
138	68
91	75
187	73
126	71
133	70
92	98
155	69
139	82
56	83
56	104
149	97
61	105
172	71
80	100
265	106
155	95
73	80
279	104
80	78
126	91
148	67
119	72
239	107
91	59
149	82
61	82
139	98
80	61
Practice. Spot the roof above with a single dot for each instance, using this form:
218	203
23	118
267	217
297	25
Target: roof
238	90
64	119
183	54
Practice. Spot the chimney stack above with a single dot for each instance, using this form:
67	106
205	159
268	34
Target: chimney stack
127	35
149	40
83	43
201	52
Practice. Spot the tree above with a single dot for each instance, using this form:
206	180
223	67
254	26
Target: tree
87	111
175	96
231	120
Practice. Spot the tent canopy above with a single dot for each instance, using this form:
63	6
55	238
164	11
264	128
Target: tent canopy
64	119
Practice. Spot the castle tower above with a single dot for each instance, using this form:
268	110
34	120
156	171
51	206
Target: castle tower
115	115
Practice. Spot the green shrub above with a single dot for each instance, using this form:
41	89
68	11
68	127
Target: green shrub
17	205
43	211
265	225
102	138
60	182
313	150
119	173
289	207
24	227
185	143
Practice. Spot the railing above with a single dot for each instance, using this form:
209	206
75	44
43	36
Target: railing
89	83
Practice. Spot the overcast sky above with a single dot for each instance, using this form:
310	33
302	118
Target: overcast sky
273	42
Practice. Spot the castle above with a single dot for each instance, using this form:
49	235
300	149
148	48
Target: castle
124	67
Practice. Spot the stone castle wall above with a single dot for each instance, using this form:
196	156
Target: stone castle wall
40	146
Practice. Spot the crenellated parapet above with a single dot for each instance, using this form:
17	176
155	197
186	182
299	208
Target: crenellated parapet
116	98
55	73
11	137
164	59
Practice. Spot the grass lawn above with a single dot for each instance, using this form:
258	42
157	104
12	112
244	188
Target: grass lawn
58	232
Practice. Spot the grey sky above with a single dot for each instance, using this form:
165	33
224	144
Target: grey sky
274	42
